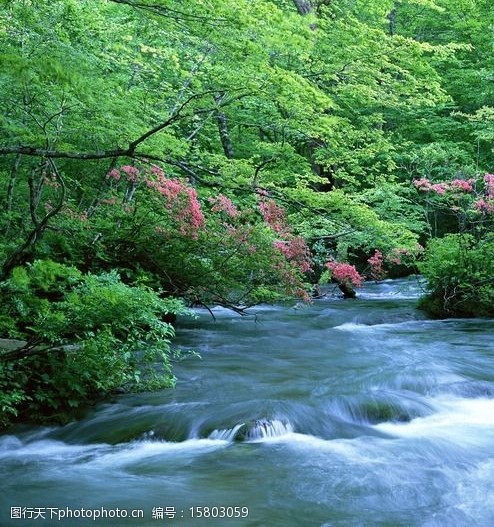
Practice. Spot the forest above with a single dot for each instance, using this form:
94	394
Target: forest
158	155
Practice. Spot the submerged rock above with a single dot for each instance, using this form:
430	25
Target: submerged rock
380	412
253	430
262	428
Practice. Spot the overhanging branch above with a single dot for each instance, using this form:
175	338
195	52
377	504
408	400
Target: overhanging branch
129	151
173	14
57	154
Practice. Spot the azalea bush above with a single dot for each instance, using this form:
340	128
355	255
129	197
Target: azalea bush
458	266
460	276
376	263
155	229
461	205
344	275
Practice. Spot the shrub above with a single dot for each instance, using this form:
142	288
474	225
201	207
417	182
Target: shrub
460	276
12	392
101	336
345	275
29	292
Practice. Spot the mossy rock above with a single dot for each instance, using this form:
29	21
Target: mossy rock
380	412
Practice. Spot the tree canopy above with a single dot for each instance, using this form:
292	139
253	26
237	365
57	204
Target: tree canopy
236	152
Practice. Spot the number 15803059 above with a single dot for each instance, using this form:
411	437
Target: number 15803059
220	511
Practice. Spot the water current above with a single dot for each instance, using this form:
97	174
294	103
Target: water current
344	413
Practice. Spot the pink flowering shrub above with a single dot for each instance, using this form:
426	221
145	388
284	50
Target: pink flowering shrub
376	263
485	203
483	206
181	202
296	256
175	196
422	184
489	185
462	185
457	262
273	215
156	229
220	253
441	188
114	173
344	273
462	196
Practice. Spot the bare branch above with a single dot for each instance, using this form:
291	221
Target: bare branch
174	14
20	253
130	151
260	168
188	80
56	154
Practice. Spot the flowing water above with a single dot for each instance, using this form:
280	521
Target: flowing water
343	413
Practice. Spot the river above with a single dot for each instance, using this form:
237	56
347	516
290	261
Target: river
344	413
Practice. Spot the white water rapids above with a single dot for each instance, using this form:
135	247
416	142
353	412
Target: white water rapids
341	414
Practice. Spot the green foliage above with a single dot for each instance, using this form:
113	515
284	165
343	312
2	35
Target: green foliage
256	95
395	203
459	270
28	294
12	392
331	114
100	336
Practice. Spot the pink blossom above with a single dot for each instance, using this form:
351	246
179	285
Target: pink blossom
128	169
484	206
179	199
223	204
157	171
376	263
132	173
440	188
462	184
295	250
422	184
273	215
114	174
489	185
345	273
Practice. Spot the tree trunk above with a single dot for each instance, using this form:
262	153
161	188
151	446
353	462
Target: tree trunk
223	129
392	18
304	7
10	191
21	254
347	290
